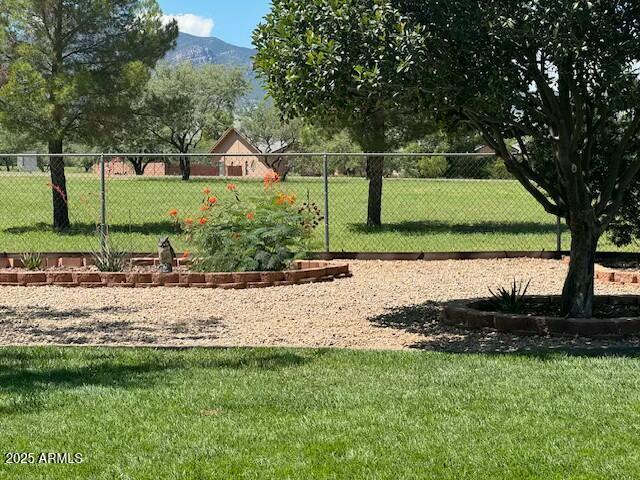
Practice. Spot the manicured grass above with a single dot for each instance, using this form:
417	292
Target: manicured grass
250	413
419	215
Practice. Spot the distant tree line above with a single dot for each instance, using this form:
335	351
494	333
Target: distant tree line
81	77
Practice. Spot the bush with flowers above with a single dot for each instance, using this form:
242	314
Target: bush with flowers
234	233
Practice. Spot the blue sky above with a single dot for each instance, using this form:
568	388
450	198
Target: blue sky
230	20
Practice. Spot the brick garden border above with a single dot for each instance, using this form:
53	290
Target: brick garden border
306	272
467	314
611	275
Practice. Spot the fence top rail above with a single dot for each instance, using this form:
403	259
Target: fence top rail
278	155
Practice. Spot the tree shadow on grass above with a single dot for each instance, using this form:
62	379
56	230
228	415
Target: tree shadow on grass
27	387
261	359
29	377
435	227
423	320
89	229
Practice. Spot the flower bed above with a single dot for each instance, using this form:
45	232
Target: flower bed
259	240
619	317
236	232
78	272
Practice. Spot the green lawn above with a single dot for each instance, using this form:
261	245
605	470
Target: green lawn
419	215
314	414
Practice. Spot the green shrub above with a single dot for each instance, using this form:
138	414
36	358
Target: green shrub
432	167
498	170
265	233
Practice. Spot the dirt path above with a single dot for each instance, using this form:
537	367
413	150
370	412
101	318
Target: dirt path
386	305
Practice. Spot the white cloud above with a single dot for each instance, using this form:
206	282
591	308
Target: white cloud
193	24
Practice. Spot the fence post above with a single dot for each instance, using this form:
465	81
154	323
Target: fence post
559	235
103	206
325	173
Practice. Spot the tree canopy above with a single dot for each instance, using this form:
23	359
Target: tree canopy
184	104
348	64
265	127
560	77
74	66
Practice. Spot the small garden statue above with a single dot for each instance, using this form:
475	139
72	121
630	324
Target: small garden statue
166	254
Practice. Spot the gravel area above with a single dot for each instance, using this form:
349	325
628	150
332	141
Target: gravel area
386	305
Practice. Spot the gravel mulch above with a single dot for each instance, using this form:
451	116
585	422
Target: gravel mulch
386	305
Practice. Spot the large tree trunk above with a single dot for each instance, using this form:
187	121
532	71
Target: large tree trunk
578	292
375	171
185	168
374	141
58	187
139	165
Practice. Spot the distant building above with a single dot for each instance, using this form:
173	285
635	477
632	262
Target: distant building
27	164
117	166
485	149
249	164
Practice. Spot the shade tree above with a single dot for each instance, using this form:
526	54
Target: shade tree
70	66
265	127
560	79
344	64
184	104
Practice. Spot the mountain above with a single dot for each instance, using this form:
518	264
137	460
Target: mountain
203	50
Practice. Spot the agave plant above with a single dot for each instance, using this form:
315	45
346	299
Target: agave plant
32	261
110	259
510	300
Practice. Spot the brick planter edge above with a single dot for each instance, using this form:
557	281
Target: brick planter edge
466	314
305	272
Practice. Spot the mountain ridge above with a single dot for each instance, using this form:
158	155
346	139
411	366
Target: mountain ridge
213	50
203	50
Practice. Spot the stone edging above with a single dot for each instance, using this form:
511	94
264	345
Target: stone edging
611	275
465	314
307	272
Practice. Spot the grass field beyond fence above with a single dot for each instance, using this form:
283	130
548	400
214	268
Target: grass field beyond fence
418	215
315	414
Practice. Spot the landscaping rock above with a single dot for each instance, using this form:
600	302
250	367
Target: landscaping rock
386	305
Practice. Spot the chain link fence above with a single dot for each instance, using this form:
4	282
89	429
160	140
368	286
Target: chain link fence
430	202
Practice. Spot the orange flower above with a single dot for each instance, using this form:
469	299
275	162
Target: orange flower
213	200
173	213
203	221
231	187
271	178
206	191
251	216
188	221
186	254
205	208
282	198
